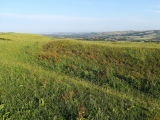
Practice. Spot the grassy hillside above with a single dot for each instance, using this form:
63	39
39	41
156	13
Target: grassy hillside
45	78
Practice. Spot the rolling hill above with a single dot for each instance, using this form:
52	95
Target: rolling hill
50	78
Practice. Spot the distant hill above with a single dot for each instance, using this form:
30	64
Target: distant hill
149	35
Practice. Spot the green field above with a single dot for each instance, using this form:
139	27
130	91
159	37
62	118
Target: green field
45	78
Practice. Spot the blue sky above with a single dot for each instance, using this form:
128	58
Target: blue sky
48	16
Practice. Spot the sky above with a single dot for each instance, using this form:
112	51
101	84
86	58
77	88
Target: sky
48	16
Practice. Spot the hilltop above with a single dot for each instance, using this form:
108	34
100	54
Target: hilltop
58	78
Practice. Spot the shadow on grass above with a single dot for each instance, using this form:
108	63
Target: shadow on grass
5	39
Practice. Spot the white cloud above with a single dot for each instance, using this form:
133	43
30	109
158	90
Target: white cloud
157	6
42	17
29	16
153	11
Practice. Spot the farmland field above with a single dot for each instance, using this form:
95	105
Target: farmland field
66	79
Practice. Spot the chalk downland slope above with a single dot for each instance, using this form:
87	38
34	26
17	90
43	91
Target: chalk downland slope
48	78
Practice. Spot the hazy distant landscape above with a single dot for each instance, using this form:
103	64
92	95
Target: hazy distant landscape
134	36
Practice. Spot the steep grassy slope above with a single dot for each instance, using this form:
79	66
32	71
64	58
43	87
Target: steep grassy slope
43	78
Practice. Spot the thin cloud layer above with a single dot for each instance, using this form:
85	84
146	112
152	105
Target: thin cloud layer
153	11
59	23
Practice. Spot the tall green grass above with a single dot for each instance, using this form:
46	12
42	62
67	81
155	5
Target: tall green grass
137	67
43	78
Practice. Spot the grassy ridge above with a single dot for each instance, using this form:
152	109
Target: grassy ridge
43	78
136	66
